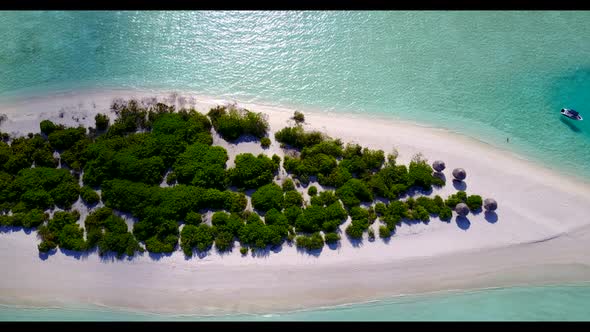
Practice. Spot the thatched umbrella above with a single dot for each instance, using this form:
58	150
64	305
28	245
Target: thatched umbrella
462	209
459	174
490	204
438	165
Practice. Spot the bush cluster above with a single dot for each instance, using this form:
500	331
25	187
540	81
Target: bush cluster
233	123
128	159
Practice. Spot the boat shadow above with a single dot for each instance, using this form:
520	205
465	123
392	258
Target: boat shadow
572	126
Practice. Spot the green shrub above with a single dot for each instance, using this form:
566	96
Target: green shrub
325	198
361	162
33	218
62	231
371	234
243	251
193	218
420	175
446	213
311	220
277	160
293	198
384	232
259	235
358	213
312	191
202	165
390	181
332	238
199	237
355	231
62	139
337	178
275	217
335	211
265	142
234	123
171	178
311	242
43	187
429	204
224	241
89	196
101	121
454	199
298	117
267	197
298	138
252	172
353	192
288	185
474	202
47	127
110	233
291	213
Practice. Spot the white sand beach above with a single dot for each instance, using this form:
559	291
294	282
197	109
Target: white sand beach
540	233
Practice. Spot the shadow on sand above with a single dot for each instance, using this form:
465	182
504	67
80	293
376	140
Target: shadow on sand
242	139
158	256
45	255
463	222
16	229
315	253
491	217
459	185
76	254
334	246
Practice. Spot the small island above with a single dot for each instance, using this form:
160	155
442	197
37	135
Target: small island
159	166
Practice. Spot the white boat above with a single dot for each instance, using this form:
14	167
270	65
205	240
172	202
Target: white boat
572	114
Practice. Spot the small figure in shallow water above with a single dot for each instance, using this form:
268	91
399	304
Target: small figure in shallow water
507	139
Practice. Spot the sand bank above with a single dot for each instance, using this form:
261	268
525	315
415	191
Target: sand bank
540	233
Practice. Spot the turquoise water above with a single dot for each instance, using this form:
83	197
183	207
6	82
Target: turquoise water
563	303
490	75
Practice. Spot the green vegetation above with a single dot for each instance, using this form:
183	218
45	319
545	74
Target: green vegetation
310	242
384	232
252	172
267	197
371	234
109	233
293	198
127	159
30	219
353	192
474	202
65	138
43	188
298	117
312	191
297	138
332	238
47	127
89	196
454	199
193	218
199	237
233	123
62	231
288	185
265	142
101	121
202	165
